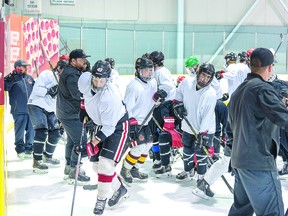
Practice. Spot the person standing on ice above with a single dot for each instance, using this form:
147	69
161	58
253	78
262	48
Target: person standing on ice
104	106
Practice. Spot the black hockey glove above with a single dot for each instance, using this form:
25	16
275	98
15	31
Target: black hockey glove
83	149
219	74
204	140
53	91
160	95
179	110
134	127
13	77
225	97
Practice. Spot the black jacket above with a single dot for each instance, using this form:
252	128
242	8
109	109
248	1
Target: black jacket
69	96
255	116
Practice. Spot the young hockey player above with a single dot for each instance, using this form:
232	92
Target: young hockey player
165	82
198	99
191	65
42	108
139	102
104	106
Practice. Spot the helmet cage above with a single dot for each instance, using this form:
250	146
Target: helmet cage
205	71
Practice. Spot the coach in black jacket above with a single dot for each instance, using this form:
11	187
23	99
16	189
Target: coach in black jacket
67	111
255	114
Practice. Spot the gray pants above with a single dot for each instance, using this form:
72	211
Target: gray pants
257	191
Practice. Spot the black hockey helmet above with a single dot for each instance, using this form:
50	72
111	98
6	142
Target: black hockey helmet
111	62
242	56
144	65
230	57
101	69
157	58
208	69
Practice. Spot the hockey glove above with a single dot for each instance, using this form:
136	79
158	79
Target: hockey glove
53	91
225	97
179	110
202	140
219	74
160	95
134	127
91	149
81	149
169	126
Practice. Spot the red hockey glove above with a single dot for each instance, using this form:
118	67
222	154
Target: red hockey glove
134	127
211	151
91	149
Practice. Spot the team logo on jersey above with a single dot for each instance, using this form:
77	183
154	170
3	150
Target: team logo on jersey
99	69
30	81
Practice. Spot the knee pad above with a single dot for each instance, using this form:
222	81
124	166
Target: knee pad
41	135
54	136
106	166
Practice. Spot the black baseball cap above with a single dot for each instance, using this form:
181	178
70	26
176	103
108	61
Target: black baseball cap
261	57
78	53
20	63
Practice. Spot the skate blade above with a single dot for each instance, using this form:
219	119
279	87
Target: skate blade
38	171
90	187
79	183
164	175
140	180
200	194
184	180
53	166
121	201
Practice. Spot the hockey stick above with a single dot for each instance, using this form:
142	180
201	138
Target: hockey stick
45	54
36	68
281	36
207	153
78	165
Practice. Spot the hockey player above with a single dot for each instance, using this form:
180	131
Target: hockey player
234	73
19	85
165	82
42	108
114	78
104	106
199	100
67	111
139	101
191	65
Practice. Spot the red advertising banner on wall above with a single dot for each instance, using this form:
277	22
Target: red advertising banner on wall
2	36
33	40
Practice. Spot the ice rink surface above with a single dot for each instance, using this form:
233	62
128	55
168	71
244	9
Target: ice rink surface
48	194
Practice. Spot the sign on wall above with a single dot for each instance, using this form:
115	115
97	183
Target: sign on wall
63	2
32	6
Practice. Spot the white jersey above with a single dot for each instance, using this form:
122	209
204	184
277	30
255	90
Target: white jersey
39	96
104	106
165	81
114	78
139	98
235	74
199	104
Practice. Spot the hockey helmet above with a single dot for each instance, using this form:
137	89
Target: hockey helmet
191	65
205	75
144	69
157	58
101	69
242	56
111	62
230	57
249	52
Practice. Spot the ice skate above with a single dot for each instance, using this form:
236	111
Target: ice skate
118	197
136	174
185	176
203	190
164	171
81	180
39	167
51	162
126	176
156	165
99	207
284	170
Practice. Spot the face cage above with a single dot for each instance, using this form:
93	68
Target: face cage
190	70
201	84
148	77
96	88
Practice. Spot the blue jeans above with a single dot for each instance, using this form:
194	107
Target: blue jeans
257	191
73	129
23	126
